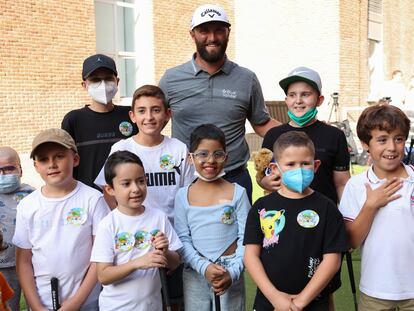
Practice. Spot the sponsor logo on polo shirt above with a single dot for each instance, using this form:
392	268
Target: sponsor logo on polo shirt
229	93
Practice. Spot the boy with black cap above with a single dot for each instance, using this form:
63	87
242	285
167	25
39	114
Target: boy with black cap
55	228
97	126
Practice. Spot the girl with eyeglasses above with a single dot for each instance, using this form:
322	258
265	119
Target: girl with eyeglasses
210	216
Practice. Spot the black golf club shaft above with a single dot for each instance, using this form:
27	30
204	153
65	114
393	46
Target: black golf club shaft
217	302
164	285
54	286
348	257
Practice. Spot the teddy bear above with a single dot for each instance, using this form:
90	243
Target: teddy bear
262	159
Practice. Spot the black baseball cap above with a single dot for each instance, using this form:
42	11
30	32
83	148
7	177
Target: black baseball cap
95	62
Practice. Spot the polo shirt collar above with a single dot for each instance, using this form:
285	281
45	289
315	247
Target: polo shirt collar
226	68
372	178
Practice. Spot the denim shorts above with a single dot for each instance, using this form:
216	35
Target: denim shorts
198	295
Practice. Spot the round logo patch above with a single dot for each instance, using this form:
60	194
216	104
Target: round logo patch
125	128
167	162
227	217
18	196
124	241
308	219
142	239
76	216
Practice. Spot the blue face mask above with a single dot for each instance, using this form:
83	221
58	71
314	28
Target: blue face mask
298	179
9	183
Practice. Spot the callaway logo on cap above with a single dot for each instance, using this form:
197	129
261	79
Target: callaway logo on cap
209	13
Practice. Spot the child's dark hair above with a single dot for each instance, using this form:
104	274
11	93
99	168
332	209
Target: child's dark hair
292	138
119	157
149	90
384	118
206	131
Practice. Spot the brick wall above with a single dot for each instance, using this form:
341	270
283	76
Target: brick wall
43	44
398	19
353	53
173	44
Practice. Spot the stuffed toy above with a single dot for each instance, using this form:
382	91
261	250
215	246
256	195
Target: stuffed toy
262	159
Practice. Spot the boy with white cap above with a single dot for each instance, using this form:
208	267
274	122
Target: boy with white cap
303	89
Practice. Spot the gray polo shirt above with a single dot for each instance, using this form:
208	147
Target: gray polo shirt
226	98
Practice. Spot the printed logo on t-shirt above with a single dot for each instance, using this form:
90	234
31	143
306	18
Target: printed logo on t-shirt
271	223
167	177
227	217
308	219
142	239
18	196
124	241
167	162
125	128
77	216
313	265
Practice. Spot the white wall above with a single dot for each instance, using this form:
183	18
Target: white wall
274	36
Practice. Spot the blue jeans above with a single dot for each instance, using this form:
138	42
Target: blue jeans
198	295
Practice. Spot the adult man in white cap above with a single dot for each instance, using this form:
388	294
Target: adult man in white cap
212	89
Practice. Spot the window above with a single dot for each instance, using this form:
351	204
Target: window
115	36
375	49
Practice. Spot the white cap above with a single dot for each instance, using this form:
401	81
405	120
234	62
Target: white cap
304	74
209	13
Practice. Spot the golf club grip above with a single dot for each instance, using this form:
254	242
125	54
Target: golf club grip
54	286
217	302
163	277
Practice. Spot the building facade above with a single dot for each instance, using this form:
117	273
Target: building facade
354	45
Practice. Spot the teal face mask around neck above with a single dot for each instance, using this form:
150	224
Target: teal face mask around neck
305	119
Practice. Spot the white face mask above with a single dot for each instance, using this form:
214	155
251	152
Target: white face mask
221	174
102	92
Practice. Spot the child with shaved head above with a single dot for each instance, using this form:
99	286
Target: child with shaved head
11	192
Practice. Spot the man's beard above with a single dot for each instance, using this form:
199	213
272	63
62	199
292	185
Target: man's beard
212	57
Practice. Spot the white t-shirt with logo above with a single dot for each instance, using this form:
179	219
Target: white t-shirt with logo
166	167
121	238
59	232
387	253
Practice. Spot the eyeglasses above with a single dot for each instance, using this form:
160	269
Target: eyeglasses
8	169
202	156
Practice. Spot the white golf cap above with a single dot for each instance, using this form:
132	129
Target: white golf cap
304	74
209	13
